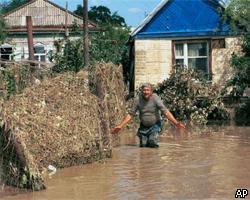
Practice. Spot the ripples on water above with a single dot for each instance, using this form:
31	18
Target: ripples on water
207	163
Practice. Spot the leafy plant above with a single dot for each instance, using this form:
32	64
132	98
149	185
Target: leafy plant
24	77
110	45
102	16
3	33
189	96
7	6
242	113
238	14
11	83
69	56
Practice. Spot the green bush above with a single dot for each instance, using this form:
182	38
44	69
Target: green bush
242	114
10	83
189	96
237	14
69	57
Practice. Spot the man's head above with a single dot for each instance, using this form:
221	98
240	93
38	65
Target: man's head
147	90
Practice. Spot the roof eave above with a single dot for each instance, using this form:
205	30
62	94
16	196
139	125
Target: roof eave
185	35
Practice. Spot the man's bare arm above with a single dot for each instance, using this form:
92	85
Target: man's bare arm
124	122
171	118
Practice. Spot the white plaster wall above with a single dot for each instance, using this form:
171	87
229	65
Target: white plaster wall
20	45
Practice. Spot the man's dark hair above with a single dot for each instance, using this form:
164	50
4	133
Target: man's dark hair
146	85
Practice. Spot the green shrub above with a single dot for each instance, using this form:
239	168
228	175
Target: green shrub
69	57
242	114
10	83
189	96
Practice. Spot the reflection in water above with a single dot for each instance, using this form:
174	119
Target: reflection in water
204	164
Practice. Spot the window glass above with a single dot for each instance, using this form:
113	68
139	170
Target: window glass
39	49
37	58
193	55
40	53
198	63
43	58
6	53
197	49
7	50
179	50
179	61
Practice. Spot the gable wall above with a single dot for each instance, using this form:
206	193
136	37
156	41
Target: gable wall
43	14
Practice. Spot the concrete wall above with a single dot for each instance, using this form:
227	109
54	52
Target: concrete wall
152	60
221	69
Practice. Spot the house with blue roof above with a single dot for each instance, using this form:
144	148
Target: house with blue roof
182	32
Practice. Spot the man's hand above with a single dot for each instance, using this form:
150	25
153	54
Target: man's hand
177	124
116	130
124	122
180	125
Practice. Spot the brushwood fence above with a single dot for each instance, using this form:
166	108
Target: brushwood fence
57	121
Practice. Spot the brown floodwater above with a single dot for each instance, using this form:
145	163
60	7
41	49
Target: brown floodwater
207	163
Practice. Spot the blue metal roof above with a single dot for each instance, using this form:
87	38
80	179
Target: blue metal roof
182	18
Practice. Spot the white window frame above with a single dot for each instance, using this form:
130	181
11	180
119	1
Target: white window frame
40	54
185	56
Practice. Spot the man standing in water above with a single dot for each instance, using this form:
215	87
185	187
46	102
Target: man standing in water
148	104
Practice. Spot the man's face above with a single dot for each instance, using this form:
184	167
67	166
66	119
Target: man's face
147	92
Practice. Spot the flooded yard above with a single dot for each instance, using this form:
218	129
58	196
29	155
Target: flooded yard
207	163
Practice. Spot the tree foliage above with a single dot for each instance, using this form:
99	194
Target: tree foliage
109	46
238	14
9	5
68	56
102	16
3	33
79	10
242	113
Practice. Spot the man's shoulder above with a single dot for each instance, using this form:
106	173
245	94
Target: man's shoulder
156	98
154	95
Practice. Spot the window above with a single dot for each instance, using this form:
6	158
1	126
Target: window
39	52
6	52
218	43
193	55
